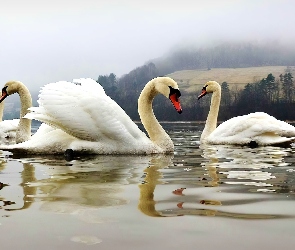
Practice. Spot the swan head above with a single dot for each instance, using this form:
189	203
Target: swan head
209	87
169	88
10	88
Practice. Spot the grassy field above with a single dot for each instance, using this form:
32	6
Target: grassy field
193	80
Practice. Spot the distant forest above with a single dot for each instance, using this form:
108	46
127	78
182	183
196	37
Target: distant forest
271	95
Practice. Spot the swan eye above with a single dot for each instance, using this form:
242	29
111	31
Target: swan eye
174	91
4	89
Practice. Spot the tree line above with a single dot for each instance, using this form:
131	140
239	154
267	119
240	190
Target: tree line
273	96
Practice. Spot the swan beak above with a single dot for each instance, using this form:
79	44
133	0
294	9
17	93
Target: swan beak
176	103
4	94
203	93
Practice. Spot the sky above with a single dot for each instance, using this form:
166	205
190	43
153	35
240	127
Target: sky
47	41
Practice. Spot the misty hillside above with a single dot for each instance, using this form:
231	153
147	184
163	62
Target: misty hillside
237	64
193	80
226	55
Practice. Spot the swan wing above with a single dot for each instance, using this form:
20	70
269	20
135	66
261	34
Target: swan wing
83	110
258	126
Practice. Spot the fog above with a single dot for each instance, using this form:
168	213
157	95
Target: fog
61	39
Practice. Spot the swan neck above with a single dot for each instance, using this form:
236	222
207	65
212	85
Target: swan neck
25	100
1	110
155	131
211	122
147	204
23	132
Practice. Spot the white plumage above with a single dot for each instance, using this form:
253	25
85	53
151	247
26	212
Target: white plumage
83	111
81	117
259	128
8	129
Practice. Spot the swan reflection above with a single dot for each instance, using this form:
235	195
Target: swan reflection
10	199
221	181
78	187
215	197
258	167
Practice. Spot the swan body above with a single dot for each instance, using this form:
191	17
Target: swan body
258	127
8	129
80	116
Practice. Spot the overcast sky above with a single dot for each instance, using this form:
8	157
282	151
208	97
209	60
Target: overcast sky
45	41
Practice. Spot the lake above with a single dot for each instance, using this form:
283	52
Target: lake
213	197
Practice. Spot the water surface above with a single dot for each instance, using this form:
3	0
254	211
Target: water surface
214	197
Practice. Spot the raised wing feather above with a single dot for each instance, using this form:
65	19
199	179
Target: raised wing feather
84	111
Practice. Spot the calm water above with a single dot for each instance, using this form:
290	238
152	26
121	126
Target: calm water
216	197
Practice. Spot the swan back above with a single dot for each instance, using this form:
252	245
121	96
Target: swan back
260	127
83	110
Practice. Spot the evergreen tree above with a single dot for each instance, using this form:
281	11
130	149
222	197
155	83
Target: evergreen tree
225	94
287	87
272	88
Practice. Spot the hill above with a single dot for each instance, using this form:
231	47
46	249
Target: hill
193	80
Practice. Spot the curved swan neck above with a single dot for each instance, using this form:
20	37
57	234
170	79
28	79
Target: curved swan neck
25	99
155	131
211	122
146	202
153	177
23	132
1	110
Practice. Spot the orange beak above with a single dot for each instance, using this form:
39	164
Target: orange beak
203	93
176	103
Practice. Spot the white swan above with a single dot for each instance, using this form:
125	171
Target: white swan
16	129
253	129
7	127
81	117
